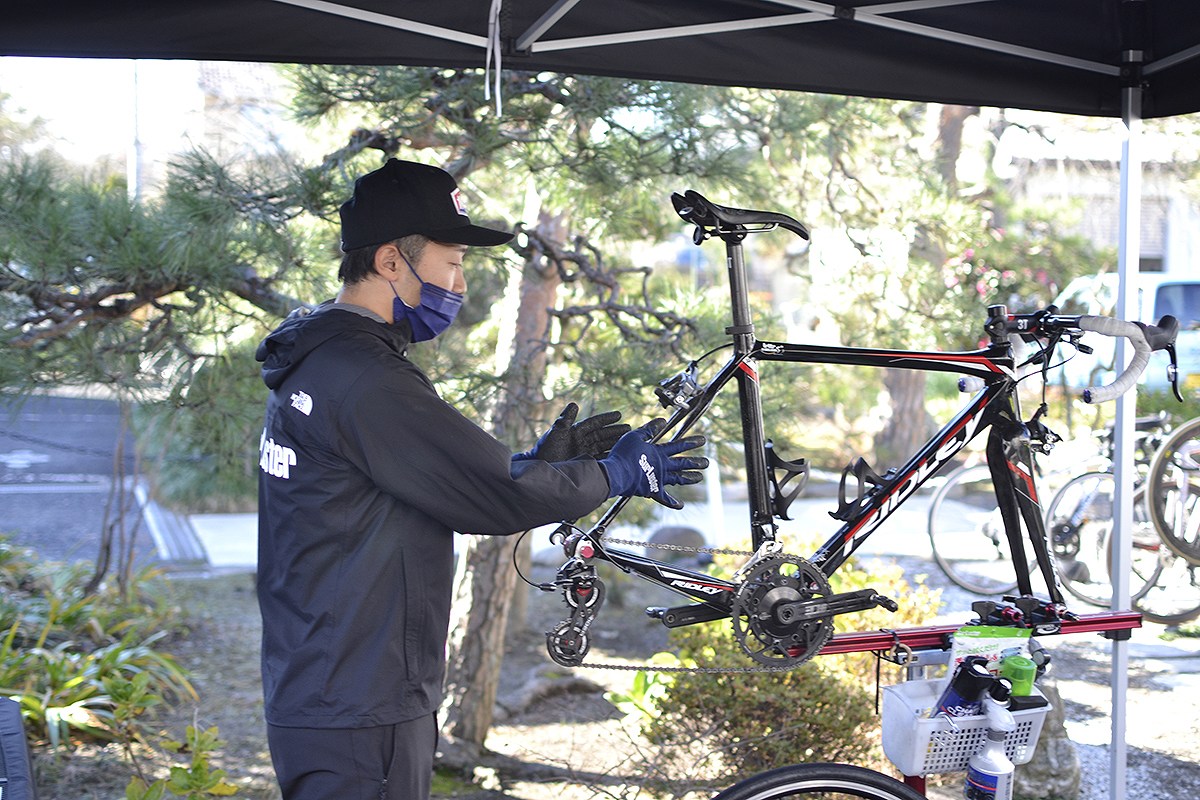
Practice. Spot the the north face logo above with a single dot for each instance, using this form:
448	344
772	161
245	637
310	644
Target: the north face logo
302	402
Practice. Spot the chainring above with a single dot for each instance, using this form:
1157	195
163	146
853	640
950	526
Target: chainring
762	635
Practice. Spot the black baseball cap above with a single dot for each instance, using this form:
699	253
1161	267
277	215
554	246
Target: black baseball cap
404	197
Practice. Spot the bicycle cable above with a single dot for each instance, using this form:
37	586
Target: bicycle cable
544	587
716	349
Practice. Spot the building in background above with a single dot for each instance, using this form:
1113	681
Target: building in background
1053	159
139	114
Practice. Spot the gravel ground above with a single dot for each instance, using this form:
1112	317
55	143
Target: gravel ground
568	743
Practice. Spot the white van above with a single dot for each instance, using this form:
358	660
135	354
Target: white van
1156	294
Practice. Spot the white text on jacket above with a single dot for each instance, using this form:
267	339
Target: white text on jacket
275	459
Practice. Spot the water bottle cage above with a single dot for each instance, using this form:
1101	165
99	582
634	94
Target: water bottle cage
783	473
862	471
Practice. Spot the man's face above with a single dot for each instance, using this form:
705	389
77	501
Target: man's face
441	265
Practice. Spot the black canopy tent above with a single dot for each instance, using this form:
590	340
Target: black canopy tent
1132	59
1055	55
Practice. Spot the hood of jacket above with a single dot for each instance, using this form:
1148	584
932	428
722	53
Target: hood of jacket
305	330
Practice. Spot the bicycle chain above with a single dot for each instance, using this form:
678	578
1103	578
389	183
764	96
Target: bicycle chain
678	548
681	670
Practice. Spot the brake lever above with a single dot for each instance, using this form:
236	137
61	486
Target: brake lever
1173	372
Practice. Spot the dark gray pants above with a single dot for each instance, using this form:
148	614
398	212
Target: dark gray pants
390	761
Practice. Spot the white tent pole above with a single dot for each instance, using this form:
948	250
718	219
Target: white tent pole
1128	265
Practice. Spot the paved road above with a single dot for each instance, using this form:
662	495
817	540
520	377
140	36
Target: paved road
56	477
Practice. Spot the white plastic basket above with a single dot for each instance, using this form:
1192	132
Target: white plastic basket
922	745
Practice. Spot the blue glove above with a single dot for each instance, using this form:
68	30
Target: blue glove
568	439
635	467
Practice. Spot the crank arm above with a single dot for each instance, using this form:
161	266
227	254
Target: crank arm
821	607
686	615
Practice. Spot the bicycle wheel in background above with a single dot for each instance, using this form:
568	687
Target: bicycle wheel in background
1174	597
1163	587
967	535
1079	522
1175	486
826	781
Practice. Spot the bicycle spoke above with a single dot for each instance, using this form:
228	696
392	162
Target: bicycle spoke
967	534
1079	522
1175	486
1174	597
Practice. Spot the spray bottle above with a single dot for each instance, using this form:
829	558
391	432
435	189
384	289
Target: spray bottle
964	690
990	771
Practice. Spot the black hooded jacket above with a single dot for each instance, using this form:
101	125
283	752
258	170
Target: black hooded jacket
365	472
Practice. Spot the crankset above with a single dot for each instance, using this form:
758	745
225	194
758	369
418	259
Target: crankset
761	631
783	611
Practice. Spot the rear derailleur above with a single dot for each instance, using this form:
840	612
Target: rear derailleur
583	592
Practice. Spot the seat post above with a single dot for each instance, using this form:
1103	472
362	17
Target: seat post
762	525
742	328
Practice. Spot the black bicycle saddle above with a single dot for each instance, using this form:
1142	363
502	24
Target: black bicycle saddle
696	209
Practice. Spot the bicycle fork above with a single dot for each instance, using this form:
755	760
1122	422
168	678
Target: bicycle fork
1010	458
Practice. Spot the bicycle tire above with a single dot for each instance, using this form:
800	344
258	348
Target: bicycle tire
1174	597
1174	483
966	534
1079	524
820	782
1163	587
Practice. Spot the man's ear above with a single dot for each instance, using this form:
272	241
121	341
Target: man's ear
388	262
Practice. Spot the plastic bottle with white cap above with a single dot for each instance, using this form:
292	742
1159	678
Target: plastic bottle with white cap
990	771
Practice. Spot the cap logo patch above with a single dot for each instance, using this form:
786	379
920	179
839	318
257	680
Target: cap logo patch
456	198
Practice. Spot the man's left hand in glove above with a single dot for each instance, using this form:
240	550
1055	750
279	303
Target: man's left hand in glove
568	439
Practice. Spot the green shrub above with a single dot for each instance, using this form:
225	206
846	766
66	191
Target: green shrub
1153	402
63	650
196	781
48	603
717	725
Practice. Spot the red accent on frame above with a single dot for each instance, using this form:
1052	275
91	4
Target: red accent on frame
983	360
850	534
1025	478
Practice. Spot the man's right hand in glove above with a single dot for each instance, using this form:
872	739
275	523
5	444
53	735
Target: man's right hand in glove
635	467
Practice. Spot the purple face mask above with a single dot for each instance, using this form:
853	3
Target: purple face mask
433	314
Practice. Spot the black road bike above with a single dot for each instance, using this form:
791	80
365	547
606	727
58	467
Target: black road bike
781	606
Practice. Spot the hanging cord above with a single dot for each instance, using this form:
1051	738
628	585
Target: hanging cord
493	50
899	653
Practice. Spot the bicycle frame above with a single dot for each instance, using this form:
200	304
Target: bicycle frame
995	407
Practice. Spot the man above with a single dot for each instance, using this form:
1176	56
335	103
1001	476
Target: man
365	475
